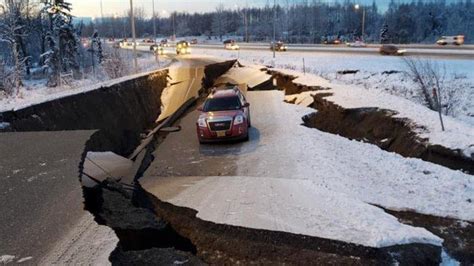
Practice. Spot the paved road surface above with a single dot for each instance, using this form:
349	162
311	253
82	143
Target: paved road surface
453	52
40	194
445	52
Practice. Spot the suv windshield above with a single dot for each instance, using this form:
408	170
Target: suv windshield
222	104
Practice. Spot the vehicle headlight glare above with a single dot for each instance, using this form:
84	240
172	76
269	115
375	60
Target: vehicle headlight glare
202	122
238	120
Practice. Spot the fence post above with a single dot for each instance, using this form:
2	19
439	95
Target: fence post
304	67
438	103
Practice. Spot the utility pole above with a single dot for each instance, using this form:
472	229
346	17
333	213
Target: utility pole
154	32
174	29
101	11
357	7
363	23
134	37
274	29
154	22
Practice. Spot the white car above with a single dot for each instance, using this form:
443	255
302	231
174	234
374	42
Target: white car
356	44
231	46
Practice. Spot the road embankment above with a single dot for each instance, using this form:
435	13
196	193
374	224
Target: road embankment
133	103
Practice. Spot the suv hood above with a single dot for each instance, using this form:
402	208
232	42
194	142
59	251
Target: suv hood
230	113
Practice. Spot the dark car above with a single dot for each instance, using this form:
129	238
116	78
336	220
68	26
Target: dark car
390	49
158	49
225	115
278	47
164	43
333	41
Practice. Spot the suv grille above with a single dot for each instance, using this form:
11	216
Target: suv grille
220	125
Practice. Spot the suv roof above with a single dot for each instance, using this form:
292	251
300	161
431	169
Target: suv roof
222	93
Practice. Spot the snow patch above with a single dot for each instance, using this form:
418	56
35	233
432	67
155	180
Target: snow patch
4	125
24	259
297	206
4	259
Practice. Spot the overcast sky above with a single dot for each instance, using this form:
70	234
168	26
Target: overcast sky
91	8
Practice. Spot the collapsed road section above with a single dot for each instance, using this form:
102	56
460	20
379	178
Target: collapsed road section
290	195
43	219
249	202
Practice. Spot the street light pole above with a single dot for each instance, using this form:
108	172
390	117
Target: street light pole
134	37
154	32
274	28
154	22
363	23
174	27
357	7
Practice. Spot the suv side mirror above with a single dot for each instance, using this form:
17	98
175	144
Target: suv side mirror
246	104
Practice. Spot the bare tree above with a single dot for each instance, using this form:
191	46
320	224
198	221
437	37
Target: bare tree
114	64
431	80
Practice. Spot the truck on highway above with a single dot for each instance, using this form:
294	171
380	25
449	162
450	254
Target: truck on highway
455	40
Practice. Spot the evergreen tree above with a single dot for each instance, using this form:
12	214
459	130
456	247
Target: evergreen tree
96	42
384	38
62	41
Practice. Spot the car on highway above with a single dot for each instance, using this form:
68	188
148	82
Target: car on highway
157	48
231	45
225	115
148	41
356	44
164	43
183	47
278	46
390	49
455	40
332	41
194	41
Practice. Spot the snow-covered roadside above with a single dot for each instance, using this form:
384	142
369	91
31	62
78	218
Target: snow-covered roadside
458	135
400	84
35	92
363	171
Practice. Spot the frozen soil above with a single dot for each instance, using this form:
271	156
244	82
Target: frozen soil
458	235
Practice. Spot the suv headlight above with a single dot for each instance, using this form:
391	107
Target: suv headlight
238	120
202	122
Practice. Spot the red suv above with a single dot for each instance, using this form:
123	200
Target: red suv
225	115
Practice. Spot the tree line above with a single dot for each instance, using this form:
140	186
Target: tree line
41	38
308	22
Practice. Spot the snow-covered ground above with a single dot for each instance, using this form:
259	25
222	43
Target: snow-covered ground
36	91
301	180
372	73
457	134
